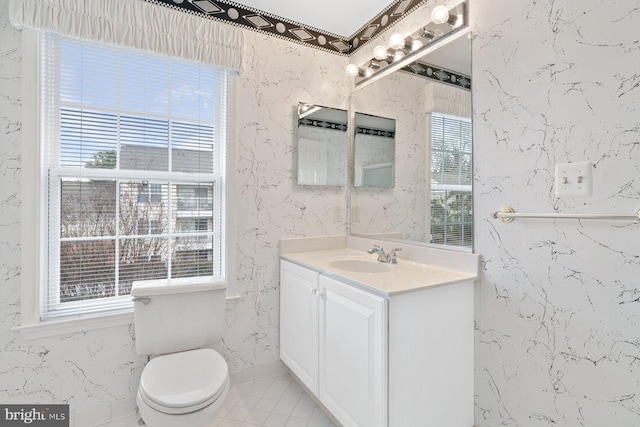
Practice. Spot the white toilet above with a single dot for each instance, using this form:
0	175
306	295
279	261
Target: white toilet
184	384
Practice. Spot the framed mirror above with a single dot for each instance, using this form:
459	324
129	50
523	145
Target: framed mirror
374	155
323	143
430	202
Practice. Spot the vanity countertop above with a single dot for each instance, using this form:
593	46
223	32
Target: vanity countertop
394	279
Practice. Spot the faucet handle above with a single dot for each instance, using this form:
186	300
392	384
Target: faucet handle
392	257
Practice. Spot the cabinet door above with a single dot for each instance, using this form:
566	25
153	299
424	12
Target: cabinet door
299	322
353	362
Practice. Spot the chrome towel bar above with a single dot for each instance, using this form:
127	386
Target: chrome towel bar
508	214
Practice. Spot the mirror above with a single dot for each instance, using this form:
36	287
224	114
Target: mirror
430	201
322	145
374	151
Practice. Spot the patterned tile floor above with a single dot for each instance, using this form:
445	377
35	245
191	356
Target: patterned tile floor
275	402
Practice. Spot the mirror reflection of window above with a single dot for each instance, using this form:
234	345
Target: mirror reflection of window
375	151
451	181
322	145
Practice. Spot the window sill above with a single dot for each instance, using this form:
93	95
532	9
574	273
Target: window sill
70	326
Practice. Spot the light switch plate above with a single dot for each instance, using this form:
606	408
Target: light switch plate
574	179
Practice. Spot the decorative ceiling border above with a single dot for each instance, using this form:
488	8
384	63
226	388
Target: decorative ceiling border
266	23
384	20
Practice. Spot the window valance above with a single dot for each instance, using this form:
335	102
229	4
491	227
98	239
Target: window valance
137	24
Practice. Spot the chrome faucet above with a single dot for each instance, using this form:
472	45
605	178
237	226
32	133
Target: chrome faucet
390	258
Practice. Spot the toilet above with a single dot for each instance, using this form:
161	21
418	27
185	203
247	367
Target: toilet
184	384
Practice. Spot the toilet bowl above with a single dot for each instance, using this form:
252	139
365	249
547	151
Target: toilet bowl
185	383
183	389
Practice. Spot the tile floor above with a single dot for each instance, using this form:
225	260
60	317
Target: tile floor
275	402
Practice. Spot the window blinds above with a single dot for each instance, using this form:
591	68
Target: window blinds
451	181
134	163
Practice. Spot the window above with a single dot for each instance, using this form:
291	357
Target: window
132	172
451	181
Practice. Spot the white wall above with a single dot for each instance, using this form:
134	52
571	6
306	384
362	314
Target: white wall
558	326
91	368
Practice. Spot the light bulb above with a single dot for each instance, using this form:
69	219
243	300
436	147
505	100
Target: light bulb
398	55
396	41
380	52
439	14
352	70
416	44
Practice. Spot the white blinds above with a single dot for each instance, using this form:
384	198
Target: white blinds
136	24
451	181
134	162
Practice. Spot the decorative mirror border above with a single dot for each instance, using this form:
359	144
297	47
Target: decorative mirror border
323	124
266	23
375	132
438	74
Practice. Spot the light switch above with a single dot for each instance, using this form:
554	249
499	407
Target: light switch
337	214
355	213
574	179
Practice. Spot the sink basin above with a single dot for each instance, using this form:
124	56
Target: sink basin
361	266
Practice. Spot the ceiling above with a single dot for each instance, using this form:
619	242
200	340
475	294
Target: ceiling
342	18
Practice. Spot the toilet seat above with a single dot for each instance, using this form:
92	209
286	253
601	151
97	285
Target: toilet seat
184	382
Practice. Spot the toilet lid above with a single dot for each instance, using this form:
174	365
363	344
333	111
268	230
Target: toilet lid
186	379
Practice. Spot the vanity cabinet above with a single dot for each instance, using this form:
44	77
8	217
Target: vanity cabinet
299	322
352	350
400	360
332	337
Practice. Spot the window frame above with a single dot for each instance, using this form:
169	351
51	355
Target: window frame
34	255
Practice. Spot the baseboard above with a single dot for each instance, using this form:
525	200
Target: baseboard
257	373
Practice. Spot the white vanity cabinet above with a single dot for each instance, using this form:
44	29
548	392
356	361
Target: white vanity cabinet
299	322
400	360
352	354
333	338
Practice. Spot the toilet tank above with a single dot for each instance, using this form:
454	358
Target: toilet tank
178	314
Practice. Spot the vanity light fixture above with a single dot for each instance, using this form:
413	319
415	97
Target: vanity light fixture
380	53
353	70
440	14
397	41
402	50
424	33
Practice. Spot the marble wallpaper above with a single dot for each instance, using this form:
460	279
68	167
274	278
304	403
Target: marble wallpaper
558	315
269	203
558	303
96	368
